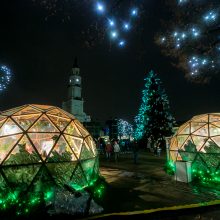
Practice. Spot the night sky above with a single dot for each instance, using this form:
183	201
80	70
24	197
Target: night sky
40	49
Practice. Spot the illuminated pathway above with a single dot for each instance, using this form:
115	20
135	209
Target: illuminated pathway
146	186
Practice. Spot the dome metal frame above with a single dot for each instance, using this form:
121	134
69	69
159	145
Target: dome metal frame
198	141
45	144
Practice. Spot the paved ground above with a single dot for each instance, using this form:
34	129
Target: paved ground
145	185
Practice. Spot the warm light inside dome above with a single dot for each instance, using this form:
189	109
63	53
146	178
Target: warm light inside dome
45	145
198	141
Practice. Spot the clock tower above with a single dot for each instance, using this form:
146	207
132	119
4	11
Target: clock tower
74	103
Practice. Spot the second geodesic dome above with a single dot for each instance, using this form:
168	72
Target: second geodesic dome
41	144
198	141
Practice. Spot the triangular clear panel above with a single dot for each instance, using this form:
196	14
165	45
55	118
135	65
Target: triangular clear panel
12	111
78	179
72	130
199	141
21	176
23	153
9	127
25	121
6	144
81	128
217	124
88	168
211	147
61	172
184	129
199	164
68	115
61	152
214	118
2	117
189	145
212	160
86	152
196	125
201	118
27	110
173	143
203	131
181	140
216	139
43	181
214	131
61	123
43	124
43	142
2	122
58	113
43	107
75	143
187	156
89	140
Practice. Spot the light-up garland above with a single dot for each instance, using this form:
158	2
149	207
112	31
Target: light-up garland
198	45
5	77
23	206
205	177
115	33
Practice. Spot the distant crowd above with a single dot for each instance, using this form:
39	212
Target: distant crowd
112	149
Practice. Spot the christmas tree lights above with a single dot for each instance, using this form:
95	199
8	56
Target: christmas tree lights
154	118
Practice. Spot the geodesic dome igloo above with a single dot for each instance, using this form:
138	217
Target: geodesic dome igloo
42	144
198	141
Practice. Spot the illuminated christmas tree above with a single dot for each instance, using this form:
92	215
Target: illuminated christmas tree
154	118
191	37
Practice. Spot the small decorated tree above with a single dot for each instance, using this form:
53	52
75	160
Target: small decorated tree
124	129
154	118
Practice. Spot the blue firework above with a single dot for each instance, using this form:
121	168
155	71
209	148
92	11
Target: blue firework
5	77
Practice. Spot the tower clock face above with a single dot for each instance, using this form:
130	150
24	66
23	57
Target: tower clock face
75	80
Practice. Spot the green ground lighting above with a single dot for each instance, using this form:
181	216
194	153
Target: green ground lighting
42	148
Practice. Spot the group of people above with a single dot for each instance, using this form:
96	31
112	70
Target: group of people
112	148
115	149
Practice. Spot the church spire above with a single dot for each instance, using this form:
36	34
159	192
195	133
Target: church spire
75	63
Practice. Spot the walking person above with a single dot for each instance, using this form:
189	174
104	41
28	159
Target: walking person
159	147
116	149
158	151
135	149
108	150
